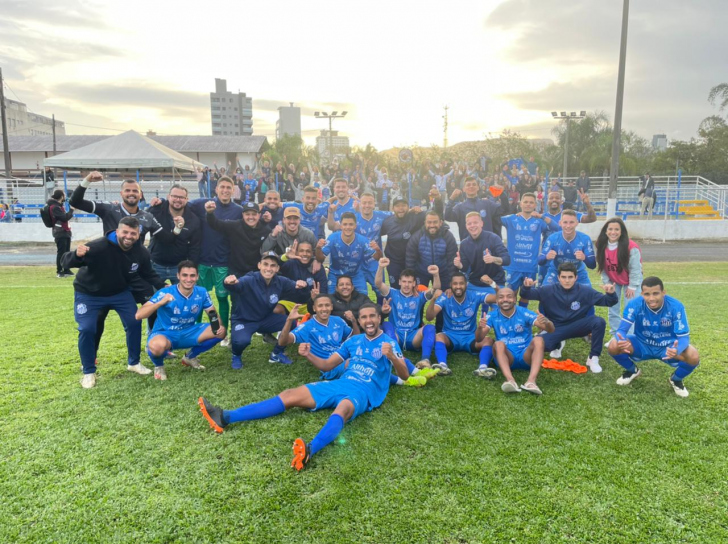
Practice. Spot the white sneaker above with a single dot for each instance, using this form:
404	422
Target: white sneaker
88	381
139	369
679	388
593	364
192	362
160	373
485	372
225	343
556	354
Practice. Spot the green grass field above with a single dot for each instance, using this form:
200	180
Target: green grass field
456	461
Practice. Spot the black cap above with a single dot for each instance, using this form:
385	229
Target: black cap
398	200
248	206
271	255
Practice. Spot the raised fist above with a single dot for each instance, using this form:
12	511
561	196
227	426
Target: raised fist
210	206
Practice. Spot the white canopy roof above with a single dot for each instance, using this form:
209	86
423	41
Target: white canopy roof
127	151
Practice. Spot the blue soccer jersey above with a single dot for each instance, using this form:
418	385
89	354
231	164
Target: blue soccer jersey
370	228
368	367
555	219
460	316
657	329
325	339
406	314
516	331
565	253
347	258
348	207
524	241
311	221
183	311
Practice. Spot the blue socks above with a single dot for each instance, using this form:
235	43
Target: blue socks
158	361
625	362
259	410
205	345
428	341
486	354
327	434
278	349
683	371
441	352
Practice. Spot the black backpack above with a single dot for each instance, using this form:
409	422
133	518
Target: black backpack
46	216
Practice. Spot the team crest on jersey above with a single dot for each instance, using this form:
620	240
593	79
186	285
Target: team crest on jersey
575	305
81	309
406	235
309	281
134	267
666	322
518	328
354	254
376	353
335	336
239	327
469	312
273	299
482	213
195	308
533	227
412	305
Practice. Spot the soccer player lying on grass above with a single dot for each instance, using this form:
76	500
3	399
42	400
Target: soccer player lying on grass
362	387
661	332
570	306
178	307
460	331
405	318
516	348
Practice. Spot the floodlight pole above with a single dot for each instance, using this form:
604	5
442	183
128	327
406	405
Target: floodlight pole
6	149
566	151
617	135
567	118
330	117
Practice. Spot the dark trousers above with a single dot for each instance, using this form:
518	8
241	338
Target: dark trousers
241	332
86	310
140	297
591	324
63	245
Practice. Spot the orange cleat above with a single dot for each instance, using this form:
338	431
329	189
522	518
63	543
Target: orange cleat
301	455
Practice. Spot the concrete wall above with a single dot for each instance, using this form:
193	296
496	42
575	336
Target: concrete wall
38	232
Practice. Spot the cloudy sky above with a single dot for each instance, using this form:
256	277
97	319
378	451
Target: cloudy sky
393	65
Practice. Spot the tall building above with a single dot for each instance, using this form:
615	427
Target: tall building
340	144
22	122
231	114
659	142
289	121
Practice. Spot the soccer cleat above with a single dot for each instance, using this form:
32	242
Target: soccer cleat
212	414
268	338
485	372
416	381
88	381
423	363
237	363
170	355
679	388
139	369
281	358
225	342
192	362
443	368
593	364
160	373
556	354
428	373
628	376
301	454
510	387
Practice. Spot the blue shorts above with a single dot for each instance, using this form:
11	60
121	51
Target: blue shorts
514	280
460	341
335	373
518	362
405	338
330	394
643	352
184	338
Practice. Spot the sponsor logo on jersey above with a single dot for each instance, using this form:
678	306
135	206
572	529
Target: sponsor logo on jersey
239	327
81	309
